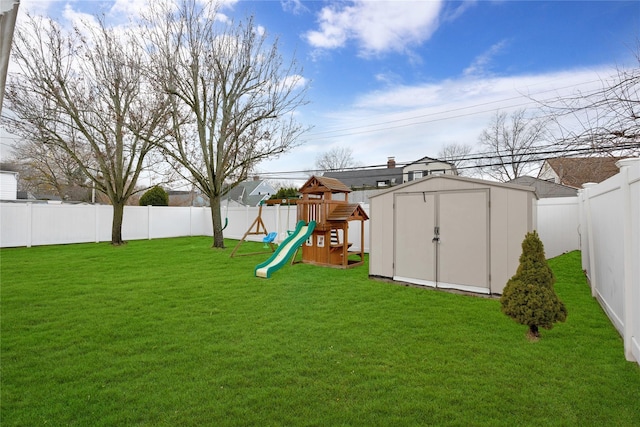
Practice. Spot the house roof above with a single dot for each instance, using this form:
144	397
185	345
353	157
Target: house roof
367	177
241	193
545	189
348	212
323	184
430	160
576	171
457	178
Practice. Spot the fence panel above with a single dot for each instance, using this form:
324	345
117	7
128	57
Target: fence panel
15	225
135	223
60	224
558	225
632	261
607	233
610	225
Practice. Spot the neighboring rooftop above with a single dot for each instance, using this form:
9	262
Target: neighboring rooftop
369	178
576	171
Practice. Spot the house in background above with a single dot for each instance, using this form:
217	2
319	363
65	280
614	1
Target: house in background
545	189
8	184
249	193
369	182
392	174
576	171
187	198
367	179
427	166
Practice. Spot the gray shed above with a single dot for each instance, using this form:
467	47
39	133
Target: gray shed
450	232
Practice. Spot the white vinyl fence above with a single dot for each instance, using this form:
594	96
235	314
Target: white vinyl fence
35	224
610	244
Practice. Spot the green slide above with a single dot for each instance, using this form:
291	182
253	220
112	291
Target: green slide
286	249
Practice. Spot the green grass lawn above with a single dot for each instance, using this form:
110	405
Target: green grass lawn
171	332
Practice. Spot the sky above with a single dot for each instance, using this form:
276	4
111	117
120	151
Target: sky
404	78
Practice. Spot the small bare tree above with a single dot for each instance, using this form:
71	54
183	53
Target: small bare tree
457	154
232	96
336	159
510	143
83	93
602	121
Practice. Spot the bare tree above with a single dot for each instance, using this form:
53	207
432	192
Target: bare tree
83	93
47	170
336	159
233	96
456	154
602	121
511	142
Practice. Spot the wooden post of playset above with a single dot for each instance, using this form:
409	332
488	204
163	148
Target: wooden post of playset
329	244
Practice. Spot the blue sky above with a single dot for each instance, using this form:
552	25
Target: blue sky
404	78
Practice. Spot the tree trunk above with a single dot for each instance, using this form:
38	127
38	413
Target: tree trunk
216	219
116	225
533	331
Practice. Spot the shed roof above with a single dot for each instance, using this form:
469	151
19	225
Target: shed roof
348	212
458	178
323	184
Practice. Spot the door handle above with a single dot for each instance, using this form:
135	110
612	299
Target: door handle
436	235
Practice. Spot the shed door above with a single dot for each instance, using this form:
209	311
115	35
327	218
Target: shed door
442	239
463	249
414	250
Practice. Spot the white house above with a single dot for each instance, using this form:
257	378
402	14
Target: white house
250	193
8	185
427	166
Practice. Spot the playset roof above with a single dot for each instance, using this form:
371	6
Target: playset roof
348	212
322	184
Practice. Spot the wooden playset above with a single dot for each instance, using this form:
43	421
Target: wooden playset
326	201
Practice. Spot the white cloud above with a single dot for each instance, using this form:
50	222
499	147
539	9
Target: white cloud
480	65
376	26
410	122
79	19
129	8
35	7
294	6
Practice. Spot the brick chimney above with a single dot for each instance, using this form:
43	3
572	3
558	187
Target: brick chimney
391	162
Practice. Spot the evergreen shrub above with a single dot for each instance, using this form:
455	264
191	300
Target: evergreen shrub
529	297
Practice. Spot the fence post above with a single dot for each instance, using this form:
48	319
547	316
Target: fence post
29	224
96	218
148	222
590	241
628	285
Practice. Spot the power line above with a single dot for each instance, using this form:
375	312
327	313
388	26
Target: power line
338	132
542	153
